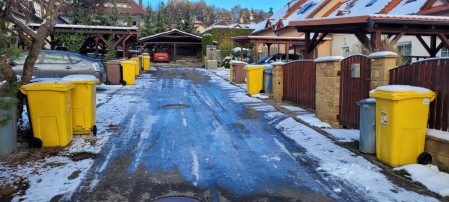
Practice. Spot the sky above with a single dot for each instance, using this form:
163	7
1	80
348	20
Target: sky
228	4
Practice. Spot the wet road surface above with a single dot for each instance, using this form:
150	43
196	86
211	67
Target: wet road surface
184	135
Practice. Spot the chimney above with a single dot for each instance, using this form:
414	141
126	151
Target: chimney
140	3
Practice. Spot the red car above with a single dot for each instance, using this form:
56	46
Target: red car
160	55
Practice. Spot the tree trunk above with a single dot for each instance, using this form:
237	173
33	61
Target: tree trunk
28	66
6	71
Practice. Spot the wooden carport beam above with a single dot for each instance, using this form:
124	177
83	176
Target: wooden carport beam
433	49
269	45
444	40
311	45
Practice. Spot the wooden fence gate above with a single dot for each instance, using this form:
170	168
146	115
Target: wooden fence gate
355	78
299	83
434	75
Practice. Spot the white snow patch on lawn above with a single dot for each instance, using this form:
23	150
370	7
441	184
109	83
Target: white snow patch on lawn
344	135
343	164
312	120
429	176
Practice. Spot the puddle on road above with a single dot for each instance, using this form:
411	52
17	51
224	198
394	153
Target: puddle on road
249	114
175	106
267	130
242	127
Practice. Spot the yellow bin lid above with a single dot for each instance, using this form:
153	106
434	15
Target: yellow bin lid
252	67
47	85
146	56
134	59
81	79
401	92
128	62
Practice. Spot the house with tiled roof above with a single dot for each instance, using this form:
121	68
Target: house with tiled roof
344	44
124	7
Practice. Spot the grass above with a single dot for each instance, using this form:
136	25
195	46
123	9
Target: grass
441	166
402	173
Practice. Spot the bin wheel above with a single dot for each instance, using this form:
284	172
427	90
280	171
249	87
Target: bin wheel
261	91
108	83
124	83
94	130
35	143
424	158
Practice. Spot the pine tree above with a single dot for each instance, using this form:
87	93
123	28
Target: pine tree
128	19
147	28
100	18
114	16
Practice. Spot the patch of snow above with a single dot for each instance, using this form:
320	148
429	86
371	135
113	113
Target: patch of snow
79	77
329	59
263	97
341	163
337	190
344	135
443	135
429	176
293	108
402	88
382	53
312	120
195	166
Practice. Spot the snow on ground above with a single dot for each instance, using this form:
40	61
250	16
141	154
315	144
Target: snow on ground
429	176
260	96
293	108
312	120
344	135
334	160
59	174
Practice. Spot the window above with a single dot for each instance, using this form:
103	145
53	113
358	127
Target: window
345	51
75	59
444	52
405	49
22	57
409	1
371	3
306	7
56	58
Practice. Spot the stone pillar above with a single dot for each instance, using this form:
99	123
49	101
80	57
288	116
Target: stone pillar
327	100
278	81
381	63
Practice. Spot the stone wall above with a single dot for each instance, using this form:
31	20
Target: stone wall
381	63
327	100
278	81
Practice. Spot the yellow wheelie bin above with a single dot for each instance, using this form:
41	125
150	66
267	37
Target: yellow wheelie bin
146	62
137	72
83	103
254	74
128	69
50	111
401	122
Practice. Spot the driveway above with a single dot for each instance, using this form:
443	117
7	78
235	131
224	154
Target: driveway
185	136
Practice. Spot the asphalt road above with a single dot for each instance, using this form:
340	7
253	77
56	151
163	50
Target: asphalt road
185	137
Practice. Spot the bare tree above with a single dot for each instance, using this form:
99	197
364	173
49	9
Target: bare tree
47	10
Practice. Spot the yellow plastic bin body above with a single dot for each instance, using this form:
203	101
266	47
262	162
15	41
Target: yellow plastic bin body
254	76
137	72
230	71
146	63
128	69
401	122
83	103
50	111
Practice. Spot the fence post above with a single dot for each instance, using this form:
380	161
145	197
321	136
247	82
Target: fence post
278	81
381	63
327	99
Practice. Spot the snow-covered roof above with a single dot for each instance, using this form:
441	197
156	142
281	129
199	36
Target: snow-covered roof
86	26
276	16
305	10
361	7
407	7
230	24
167	32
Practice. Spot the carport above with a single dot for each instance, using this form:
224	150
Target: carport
369	28
296	42
181	45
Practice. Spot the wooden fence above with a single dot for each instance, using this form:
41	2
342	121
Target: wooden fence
434	75
299	83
